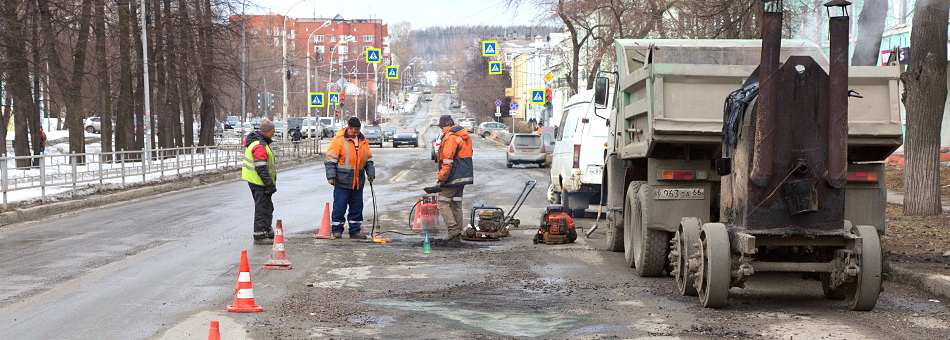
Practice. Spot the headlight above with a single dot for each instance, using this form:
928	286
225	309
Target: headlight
415	136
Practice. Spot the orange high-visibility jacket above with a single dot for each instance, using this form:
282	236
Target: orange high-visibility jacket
455	158
349	160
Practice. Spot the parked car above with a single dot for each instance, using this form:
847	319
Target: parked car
331	123
485	129
279	128
428	98
94	125
406	136
526	149
295	124
374	135
456	105
467	125
435	144
434	122
389	133
427	91
256	122
232	122
578	160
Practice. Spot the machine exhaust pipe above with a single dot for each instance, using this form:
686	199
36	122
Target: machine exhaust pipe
838	25
768	93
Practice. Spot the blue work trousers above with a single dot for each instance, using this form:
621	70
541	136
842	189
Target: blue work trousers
347	198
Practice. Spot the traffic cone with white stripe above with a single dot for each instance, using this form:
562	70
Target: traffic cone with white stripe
244	294
417	220
325	225
214	333
278	260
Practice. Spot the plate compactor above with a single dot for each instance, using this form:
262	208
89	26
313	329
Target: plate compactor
493	224
556	227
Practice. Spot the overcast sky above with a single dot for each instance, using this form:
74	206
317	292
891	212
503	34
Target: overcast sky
421	13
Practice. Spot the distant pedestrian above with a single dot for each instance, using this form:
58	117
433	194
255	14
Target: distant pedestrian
295	137
348	165
260	172
42	141
455	171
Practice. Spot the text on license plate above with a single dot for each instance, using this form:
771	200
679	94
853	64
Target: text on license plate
679	194
595	171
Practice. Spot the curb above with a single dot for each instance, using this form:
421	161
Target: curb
96	200
931	283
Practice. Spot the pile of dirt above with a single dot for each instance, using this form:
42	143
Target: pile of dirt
895	180
916	238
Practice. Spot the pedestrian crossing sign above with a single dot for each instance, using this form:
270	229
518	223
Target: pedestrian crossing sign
489	48
537	96
333	98
392	72
494	67
452	89
317	99
373	55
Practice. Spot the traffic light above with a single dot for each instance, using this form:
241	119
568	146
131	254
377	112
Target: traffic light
270	100
342	96
260	101
547	95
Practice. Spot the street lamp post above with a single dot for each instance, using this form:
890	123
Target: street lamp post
285	73
309	50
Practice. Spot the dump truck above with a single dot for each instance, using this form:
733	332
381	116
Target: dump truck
732	157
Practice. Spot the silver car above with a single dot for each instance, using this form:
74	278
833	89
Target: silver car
526	149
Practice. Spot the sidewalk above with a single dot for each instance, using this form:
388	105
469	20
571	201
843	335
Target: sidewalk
896	197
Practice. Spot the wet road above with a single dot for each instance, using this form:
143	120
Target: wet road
161	267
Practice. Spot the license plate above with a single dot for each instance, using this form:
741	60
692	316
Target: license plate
679	194
595	171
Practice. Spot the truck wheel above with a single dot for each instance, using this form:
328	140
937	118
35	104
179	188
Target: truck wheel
631	221
650	247
863	292
615	241
683	249
714	275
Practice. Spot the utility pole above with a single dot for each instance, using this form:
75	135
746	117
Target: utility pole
148	99
284	74
243	65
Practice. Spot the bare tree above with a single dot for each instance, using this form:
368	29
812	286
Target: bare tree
925	95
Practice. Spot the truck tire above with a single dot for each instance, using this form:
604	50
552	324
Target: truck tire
714	276
614	232
651	247
631	221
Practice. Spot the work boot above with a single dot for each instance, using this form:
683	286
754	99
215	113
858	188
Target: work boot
338	235
358	236
264	241
457	238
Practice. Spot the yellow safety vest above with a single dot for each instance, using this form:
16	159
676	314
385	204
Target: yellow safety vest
249	174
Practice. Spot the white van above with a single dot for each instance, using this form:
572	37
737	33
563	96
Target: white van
578	161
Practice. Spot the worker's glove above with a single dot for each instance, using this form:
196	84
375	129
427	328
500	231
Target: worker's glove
270	190
371	178
332	181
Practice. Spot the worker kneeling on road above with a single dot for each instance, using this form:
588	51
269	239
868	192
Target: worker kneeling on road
260	172
455	171
349	164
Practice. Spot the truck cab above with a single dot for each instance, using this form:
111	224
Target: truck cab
578	158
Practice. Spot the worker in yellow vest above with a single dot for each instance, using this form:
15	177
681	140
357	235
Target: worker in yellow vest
260	172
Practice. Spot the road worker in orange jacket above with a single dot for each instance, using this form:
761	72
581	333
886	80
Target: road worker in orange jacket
349	163
455	171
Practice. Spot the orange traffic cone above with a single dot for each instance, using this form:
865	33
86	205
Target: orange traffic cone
325	225
278	260
244	294
417	220
214	333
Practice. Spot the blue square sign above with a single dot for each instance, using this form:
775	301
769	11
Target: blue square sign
537	96
333	98
489	48
392	72
373	55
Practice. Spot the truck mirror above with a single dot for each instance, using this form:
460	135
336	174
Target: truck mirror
723	166
601	86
